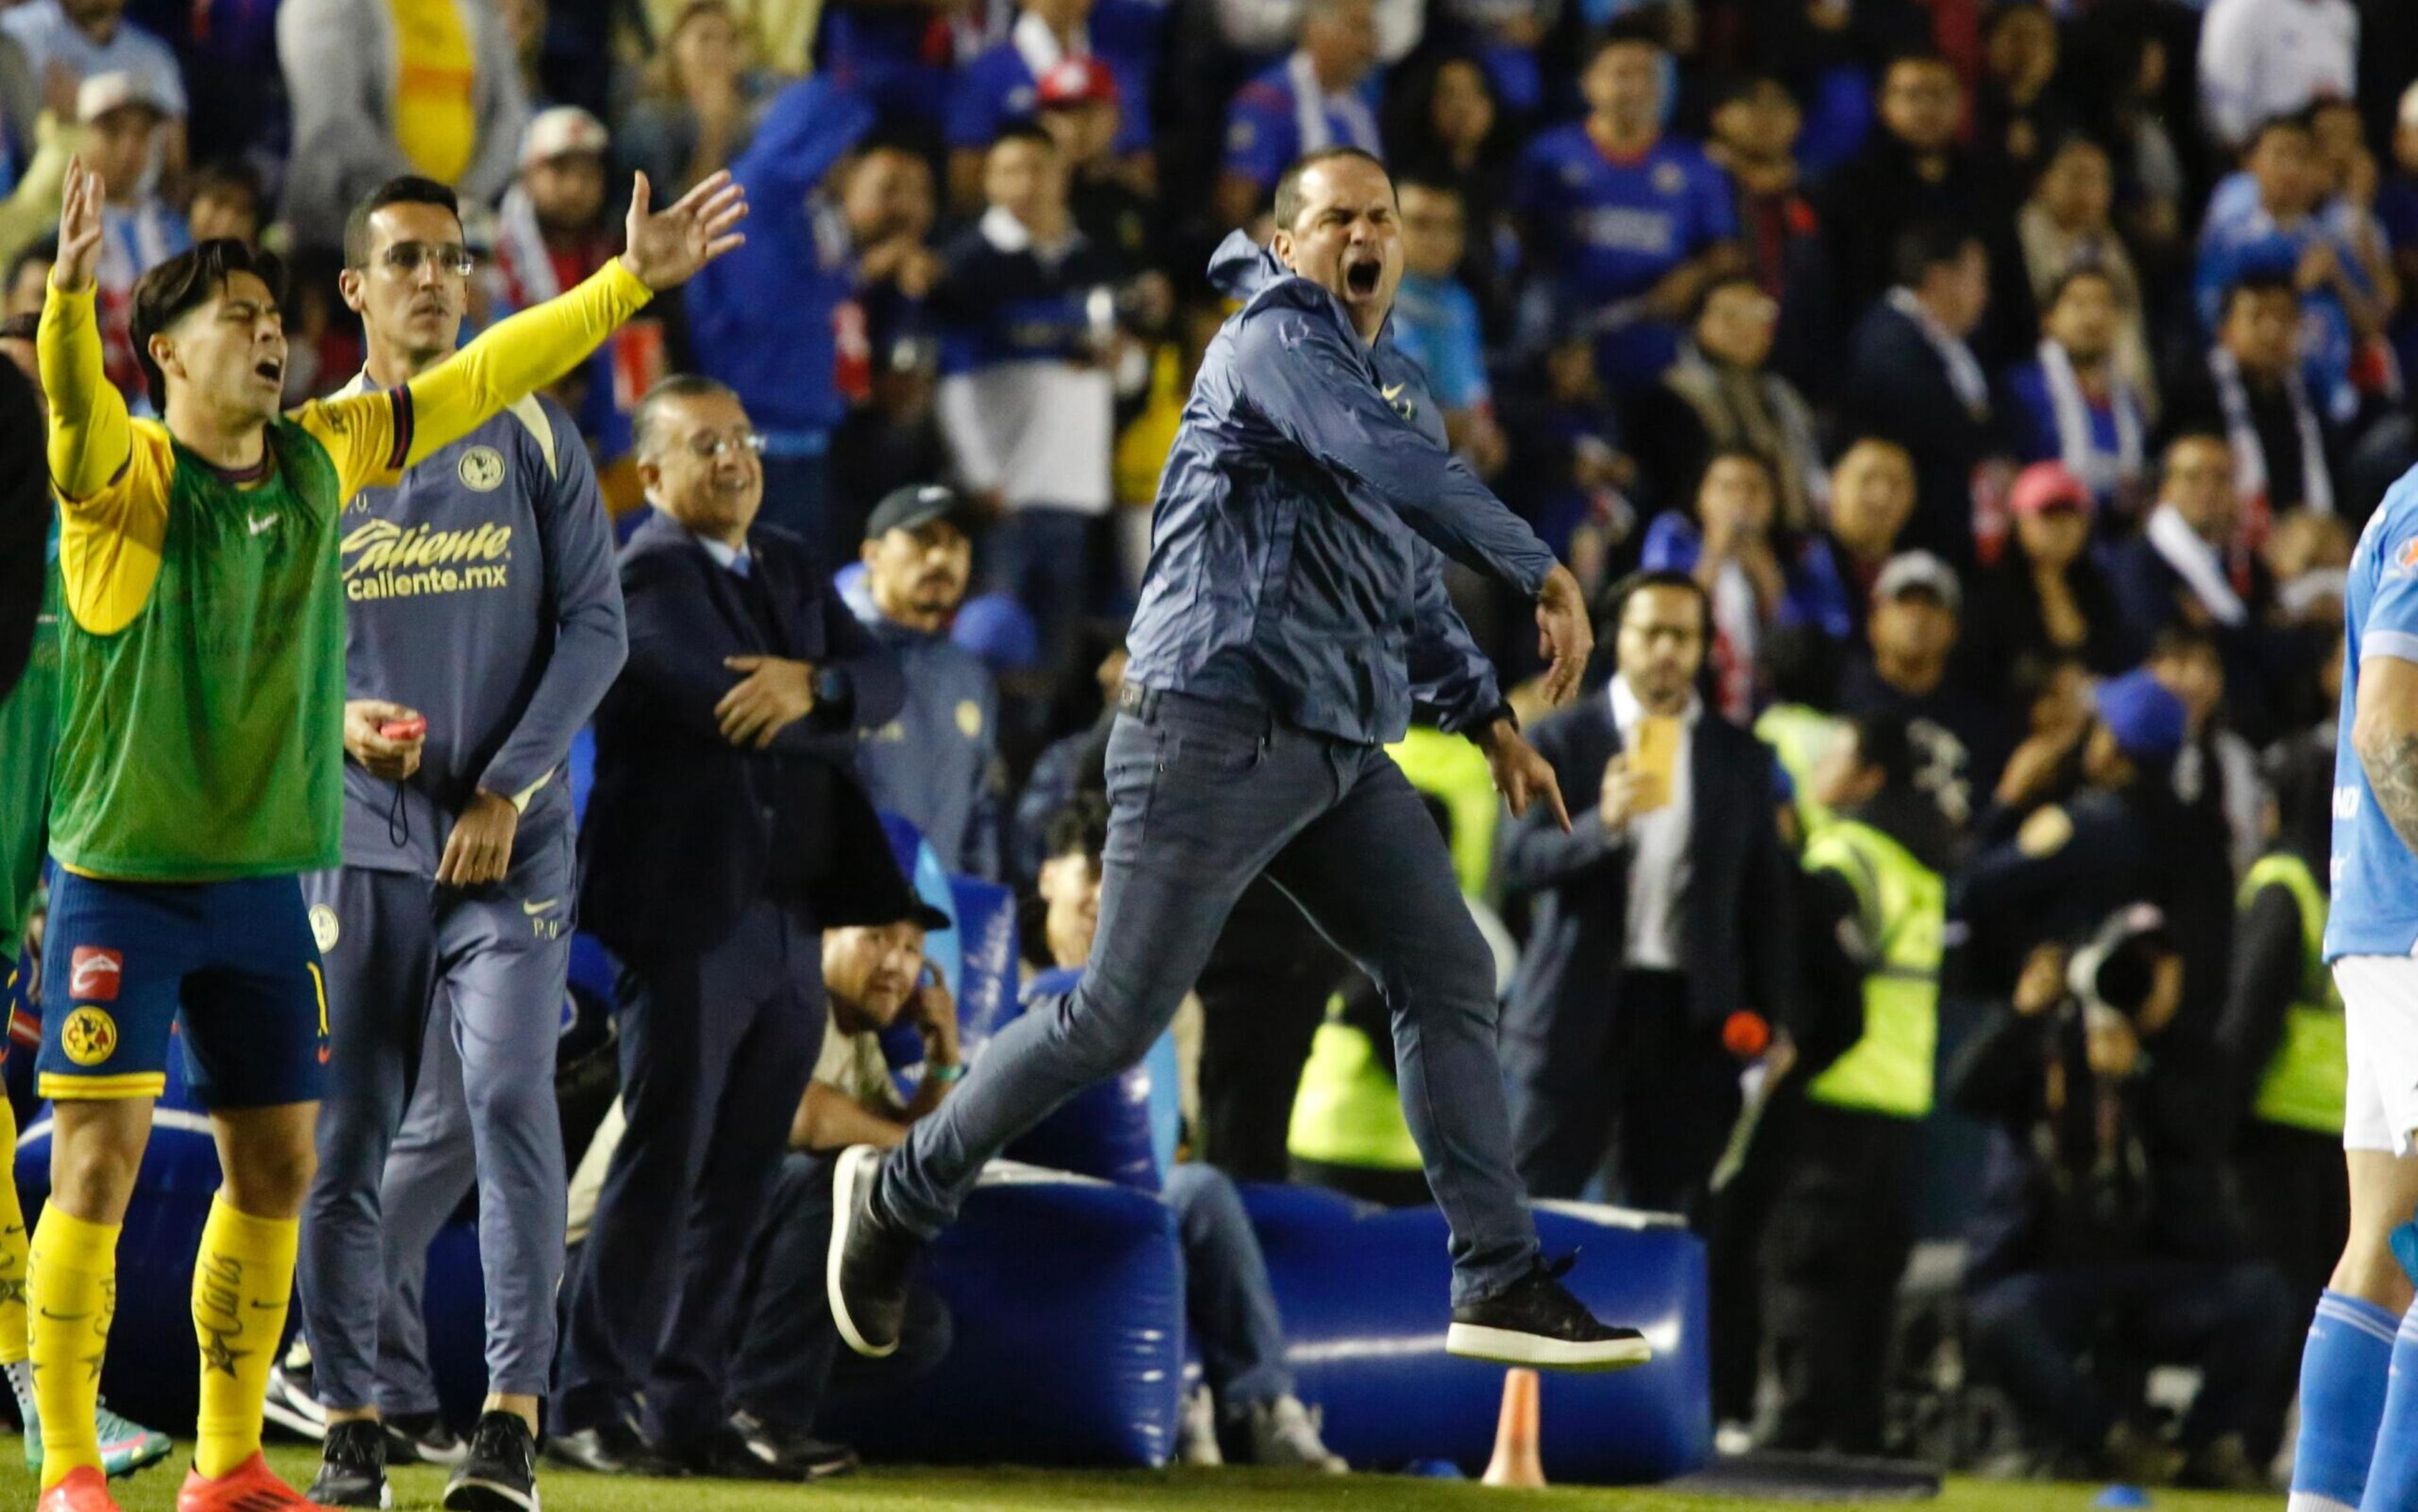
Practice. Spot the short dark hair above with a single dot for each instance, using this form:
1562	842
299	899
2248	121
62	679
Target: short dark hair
1885	741
1737	452
187	281
409	190
1030	132
222	176
1638	28
1930	244
1079	826
1288	201
1615	603
1429	181
2303	120
45	252
647	417
2074	275
2255	284
2181	639
1734	87
1729	278
25	327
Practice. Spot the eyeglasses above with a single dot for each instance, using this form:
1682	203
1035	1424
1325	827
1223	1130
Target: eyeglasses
707	446
409	257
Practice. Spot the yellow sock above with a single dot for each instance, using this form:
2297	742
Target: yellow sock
14	1256
74	1294
241	1280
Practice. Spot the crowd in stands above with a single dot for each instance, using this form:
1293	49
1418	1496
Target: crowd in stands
1962	409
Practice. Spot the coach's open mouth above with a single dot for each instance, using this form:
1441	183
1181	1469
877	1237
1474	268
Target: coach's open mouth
1361	276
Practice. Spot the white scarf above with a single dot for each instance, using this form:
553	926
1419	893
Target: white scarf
2198	563
521	256
1315	111
2249	457
1965	373
2100	472
1038	45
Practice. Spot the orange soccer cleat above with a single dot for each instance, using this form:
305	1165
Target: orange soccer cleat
249	1487
85	1489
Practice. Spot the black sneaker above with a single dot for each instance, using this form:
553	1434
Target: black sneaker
811	1457
1537	1322
422	1438
499	1473
727	1454
617	1448
352	1467
869	1260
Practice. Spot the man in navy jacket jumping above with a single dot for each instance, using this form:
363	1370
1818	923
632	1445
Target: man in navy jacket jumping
1293	615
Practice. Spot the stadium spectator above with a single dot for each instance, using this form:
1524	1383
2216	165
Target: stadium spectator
1719	395
1322	96
1913	378
139	230
228	202
1436	322
1077	105
384	89
1841	1222
2105	1230
2019	115
29	273
2074	405
1872	499
2064	227
1912	172
936	764
2192	564
2260	59
1755	129
29	212
1567	473
725	827
2278	234
1029	337
779	34
700	102
2250	390
1625	224
1000	86
2046	596
1757	573
1917	617
1619	1026
66	42
1263	29
1451	130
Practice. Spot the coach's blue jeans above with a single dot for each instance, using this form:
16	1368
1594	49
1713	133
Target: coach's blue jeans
1203	797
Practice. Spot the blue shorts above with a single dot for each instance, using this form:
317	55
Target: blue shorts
127	965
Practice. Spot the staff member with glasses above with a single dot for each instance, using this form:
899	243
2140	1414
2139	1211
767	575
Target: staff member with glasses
726	831
484	624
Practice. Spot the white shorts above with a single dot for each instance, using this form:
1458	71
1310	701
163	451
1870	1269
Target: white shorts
2380	997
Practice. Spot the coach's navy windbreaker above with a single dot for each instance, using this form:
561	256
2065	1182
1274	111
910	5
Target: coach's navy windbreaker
1291	563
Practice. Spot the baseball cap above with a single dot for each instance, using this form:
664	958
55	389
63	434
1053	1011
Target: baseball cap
915	506
560	130
2047	486
104	92
1919	571
2144	716
1071	81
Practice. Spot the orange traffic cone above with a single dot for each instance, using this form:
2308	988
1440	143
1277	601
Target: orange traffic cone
1516	1461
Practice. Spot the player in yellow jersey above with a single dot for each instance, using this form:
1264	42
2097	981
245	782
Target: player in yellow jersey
202	657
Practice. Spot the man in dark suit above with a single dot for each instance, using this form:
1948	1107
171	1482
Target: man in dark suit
1659	918
1913	378
726	830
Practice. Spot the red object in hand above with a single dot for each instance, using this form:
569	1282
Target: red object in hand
1746	1034
405	730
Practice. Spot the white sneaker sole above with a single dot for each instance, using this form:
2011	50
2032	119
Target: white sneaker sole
487	1496
1504	1346
305	1420
856	1165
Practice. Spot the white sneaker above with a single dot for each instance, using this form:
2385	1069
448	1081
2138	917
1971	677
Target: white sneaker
1196	1432
290	1404
1284	1432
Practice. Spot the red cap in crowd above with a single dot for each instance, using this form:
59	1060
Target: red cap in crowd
1072	80
2047	485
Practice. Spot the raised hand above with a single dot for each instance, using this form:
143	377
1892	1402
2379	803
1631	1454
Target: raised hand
79	260
667	249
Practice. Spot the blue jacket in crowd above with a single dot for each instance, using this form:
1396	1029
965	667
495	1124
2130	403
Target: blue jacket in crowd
1294	558
936	763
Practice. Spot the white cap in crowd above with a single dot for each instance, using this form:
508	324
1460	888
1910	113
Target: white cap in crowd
560	131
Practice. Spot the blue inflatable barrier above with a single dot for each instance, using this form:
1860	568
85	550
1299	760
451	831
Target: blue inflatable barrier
1068	1301
1363	1292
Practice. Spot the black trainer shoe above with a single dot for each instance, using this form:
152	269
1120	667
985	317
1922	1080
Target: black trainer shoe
727	1454
870	1257
810	1457
1537	1322
617	1448
499	1473
422	1438
352	1467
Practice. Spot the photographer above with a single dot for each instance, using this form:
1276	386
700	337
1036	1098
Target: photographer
2105	1235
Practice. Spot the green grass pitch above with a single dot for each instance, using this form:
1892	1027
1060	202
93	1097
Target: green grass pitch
898	1488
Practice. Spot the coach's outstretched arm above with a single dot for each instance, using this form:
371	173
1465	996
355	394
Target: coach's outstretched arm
2385	730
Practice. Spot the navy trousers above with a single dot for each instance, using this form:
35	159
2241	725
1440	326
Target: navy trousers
715	1053
1203	797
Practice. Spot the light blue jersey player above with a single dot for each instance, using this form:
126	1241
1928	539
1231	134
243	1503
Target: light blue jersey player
2359	1374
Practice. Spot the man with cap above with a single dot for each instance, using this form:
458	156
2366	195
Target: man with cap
1917	608
726	830
2046	596
1077	103
1005	83
121	117
937	764
87	39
